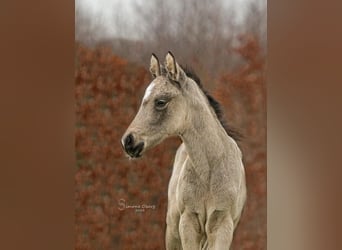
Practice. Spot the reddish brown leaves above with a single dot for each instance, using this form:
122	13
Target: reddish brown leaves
108	91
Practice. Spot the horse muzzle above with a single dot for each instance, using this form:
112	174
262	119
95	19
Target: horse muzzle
132	148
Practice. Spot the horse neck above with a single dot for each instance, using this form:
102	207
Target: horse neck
204	136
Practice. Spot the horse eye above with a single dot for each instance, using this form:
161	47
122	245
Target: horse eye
161	104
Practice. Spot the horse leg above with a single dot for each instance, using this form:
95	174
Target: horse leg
172	238
220	229
190	231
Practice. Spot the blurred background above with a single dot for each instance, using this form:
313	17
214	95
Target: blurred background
224	42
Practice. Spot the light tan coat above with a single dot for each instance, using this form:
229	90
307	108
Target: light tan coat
207	189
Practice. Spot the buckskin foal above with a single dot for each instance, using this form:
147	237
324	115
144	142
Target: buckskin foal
207	189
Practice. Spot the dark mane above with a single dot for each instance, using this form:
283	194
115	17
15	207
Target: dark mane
232	132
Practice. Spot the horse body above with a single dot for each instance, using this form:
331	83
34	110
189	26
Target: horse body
207	189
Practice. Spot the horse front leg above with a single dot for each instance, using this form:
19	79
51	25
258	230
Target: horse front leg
173	241
172	238
190	231
220	229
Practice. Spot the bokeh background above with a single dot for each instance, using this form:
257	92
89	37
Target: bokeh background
225	43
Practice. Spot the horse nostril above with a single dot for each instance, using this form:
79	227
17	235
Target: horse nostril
138	149
128	144
129	141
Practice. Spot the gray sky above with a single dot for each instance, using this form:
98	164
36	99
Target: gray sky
106	12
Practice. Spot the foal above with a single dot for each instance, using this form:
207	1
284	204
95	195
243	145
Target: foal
207	189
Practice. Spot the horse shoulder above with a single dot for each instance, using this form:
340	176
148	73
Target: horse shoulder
227	181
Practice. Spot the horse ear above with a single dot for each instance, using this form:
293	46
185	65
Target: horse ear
175	72
170	64
154	66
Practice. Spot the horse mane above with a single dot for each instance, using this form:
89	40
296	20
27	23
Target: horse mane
236	135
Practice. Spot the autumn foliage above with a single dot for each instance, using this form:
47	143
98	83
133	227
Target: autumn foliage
108	92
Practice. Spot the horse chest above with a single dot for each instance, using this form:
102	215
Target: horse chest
192	192
196	193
